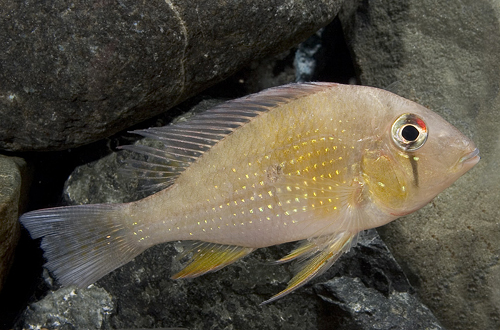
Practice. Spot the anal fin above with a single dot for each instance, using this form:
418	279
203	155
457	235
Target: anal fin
318	255
210	257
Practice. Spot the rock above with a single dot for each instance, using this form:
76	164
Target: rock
70	308
366	308
73	73
444	55
12	170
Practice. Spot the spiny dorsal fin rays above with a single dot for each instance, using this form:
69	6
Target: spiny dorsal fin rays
187	141
210	257
318	262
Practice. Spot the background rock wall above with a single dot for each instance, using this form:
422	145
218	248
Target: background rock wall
444	55
73	73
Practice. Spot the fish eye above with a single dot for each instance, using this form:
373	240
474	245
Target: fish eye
409	132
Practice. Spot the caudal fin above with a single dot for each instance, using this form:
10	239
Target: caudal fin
82	243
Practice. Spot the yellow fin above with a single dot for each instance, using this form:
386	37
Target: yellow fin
307	248
210	257
320	253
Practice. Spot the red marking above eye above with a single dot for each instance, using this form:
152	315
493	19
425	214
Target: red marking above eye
421	123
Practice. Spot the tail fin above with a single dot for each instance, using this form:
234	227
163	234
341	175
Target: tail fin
83	243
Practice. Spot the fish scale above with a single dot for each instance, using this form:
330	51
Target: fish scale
315	163
252	199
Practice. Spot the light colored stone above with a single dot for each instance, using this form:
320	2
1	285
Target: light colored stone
444	55
70	308
10	193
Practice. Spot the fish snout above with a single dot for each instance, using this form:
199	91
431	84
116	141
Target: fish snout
470	159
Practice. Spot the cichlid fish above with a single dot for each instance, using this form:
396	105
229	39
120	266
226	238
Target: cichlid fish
316	162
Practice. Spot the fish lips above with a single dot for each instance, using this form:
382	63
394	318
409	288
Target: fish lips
469	160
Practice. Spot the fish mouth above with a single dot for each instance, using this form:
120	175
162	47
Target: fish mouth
470	159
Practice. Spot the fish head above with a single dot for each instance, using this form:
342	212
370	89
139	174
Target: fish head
416	155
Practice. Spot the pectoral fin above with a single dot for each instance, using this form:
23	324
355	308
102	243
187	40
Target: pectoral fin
319	254
210	257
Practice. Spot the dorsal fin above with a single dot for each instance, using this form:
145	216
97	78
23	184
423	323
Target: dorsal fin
183	143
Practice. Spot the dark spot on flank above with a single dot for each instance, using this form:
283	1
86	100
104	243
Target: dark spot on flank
274	172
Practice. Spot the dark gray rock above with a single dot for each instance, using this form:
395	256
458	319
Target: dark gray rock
73	73
13	171
366	308
444	55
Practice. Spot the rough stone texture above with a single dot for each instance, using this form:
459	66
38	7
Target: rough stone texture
11	187
444	55
366	308
76	72
70	308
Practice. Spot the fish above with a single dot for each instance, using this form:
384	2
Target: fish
315	163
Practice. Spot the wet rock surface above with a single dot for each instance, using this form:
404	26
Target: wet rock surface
73	73
445	56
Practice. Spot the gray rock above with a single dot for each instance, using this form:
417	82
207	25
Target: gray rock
444	55
73	73
70	308
366	308
12	170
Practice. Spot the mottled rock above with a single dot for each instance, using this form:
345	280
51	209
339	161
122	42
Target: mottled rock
70	308
366	308
73	73
444	55
11	188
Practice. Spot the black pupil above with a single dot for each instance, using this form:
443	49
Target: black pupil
410	133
